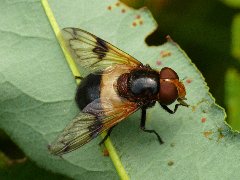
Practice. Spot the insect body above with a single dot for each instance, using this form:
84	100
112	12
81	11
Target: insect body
117	86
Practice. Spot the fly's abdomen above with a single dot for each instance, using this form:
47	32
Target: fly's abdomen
88	90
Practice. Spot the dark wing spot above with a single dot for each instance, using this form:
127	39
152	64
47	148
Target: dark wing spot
74	32
66	149
95	128
101	48
95	109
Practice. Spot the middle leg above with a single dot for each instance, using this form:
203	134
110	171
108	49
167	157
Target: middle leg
142	125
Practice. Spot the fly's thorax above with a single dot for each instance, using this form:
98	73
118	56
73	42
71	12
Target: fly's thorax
144	83
139	85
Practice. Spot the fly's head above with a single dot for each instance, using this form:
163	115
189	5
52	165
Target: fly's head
171	88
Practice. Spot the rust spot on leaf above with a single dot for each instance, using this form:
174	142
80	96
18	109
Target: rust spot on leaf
207	134
165	54
188	81
158	62
138	20
105	152
118	4
203	120
138	17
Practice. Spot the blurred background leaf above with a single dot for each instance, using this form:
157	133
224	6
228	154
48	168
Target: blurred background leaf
233	96
236	37
232	3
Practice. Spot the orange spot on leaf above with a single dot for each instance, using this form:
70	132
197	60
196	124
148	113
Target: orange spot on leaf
105	152
134	24
109	7
189	81
158	62
207	134
118	4
138	17
203	120
165	53
123	10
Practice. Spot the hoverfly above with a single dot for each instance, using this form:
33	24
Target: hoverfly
117	86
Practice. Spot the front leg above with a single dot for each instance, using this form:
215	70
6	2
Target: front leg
175	108
79	77
106	136
142	126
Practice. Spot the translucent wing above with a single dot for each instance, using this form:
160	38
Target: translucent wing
93	53
95	118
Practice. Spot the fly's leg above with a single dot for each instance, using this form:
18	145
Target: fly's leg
107	135
142	126
169	110
78	77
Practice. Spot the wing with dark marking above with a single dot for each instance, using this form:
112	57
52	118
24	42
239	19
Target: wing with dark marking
75	134
93	53
95	118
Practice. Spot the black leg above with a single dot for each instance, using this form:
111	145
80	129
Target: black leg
142	125
169	110
78	77
107	135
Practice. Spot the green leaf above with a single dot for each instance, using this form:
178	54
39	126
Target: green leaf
236	37
232	3
27	170
232	87
37	92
